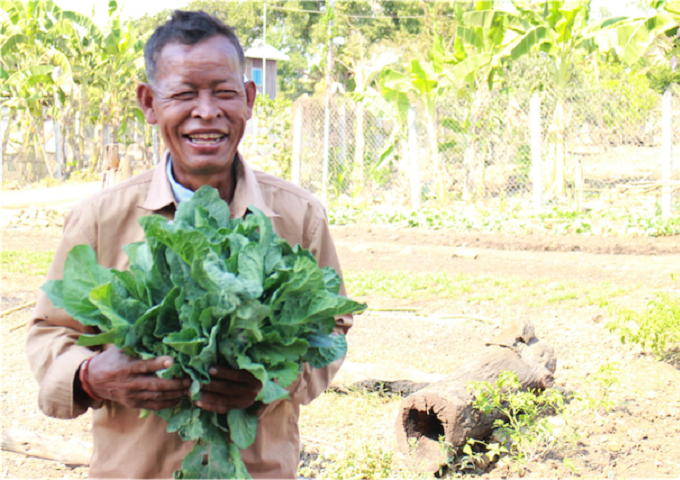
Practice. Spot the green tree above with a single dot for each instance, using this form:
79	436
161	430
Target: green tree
37	71
561	30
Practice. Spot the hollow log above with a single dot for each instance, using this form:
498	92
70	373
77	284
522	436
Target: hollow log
69	451
444	409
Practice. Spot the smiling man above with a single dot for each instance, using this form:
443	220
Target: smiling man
197	96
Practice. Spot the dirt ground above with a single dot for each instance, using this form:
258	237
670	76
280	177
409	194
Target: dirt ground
638	438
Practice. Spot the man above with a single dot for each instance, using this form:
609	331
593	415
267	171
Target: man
198	98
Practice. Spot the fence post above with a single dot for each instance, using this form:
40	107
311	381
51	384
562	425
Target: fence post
326	147
2	136
58	149
666	153
536	161
154	139
343	134
414	165
297	144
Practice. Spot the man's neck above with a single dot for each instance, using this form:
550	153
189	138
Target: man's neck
224	183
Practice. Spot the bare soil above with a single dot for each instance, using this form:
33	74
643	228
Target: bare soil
638	438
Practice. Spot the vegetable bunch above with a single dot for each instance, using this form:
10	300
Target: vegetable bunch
208	290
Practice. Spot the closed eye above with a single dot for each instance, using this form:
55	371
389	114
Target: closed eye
226	94
184	95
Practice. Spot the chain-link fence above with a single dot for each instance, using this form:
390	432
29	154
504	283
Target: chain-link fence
606	145
602	142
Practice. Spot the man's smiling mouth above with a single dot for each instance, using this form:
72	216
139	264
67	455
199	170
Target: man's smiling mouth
205	138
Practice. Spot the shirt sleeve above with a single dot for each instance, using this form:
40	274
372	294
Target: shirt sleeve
52	354
315	380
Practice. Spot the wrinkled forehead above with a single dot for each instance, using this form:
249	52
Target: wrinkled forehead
214	53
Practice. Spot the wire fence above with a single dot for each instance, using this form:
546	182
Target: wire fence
596	147
604	144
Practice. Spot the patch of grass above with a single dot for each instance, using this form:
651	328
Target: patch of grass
515	216
25	262
656	329
366	460
354	435
358	414
475	289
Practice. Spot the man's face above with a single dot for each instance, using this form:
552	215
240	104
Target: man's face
200	104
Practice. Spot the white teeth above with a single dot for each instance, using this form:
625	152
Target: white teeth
206	138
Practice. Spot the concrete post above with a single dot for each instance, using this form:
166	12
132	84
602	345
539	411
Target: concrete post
414	160
536	160
666	153
297	146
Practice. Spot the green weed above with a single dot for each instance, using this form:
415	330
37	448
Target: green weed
515	217
529	433
656	329
25	262
365	460
538	422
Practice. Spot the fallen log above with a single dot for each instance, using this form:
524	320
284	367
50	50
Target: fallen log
69	451
444	409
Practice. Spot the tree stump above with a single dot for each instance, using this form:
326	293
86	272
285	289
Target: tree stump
444	409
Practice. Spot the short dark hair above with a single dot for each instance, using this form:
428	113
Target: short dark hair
189	28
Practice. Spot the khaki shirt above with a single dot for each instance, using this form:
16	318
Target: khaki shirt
126	446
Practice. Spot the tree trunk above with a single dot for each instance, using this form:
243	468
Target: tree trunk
5	136
39	140
444	411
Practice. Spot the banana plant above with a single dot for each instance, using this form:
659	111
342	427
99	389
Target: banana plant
483	39
427	82
559	29
118	67
36	68
365	64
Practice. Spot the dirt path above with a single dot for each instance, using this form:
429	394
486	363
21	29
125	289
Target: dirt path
60	197
638	438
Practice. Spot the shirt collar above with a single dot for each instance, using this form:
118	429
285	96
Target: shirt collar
181	193
162	193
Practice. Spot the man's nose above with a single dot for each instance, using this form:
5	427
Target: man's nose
206	107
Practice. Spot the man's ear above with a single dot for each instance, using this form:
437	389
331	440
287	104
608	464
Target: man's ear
145	96
251	93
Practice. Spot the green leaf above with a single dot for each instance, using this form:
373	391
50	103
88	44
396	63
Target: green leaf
470	65
99	339
11	43
186	341
54	289
84	274
320	357
223	461
242	428
331	279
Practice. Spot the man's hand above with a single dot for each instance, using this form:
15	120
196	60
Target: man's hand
112	375
229	389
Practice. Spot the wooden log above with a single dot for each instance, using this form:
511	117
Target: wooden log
444	409
69	451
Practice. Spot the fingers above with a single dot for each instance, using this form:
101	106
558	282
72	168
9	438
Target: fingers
150	366
226	373
228	389
151	383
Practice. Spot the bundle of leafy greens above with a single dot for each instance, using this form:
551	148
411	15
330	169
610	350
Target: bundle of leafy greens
208	290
